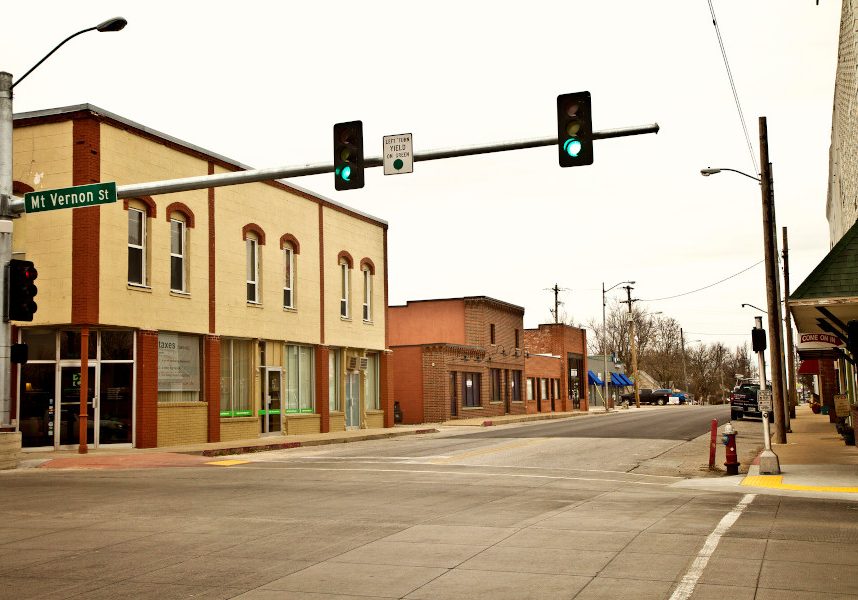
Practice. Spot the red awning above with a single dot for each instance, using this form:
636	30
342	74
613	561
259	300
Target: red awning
809	367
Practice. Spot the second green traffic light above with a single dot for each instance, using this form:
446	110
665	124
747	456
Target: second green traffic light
574	129
348	155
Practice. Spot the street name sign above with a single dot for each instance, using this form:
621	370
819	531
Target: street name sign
73	197
764	400
398	154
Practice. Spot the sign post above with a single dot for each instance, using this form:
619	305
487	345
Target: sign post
769	463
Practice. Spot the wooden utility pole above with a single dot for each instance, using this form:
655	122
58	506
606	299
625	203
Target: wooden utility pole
633	344
556	290
791	382
776	352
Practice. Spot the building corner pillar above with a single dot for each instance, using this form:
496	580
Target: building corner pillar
323	407
211	360
386	385
146	425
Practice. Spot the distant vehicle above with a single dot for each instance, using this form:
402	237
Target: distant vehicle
743	402
649	396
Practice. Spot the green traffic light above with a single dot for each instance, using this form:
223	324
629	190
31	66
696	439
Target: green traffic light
572	146
345	173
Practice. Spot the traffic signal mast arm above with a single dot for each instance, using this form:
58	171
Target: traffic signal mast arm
154	188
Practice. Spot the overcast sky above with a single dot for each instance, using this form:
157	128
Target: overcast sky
263	82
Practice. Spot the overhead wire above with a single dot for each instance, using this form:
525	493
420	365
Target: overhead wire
705	287
733	87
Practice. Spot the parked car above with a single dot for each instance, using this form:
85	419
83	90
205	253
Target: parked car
649	396
743	402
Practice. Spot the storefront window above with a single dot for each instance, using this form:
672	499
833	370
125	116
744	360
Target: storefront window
41	344
117	345
373	402
235	378
178	368
299	379
70	345
334	379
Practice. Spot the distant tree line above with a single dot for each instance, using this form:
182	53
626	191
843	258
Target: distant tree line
710	369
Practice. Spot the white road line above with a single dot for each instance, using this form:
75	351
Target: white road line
689	580
249	465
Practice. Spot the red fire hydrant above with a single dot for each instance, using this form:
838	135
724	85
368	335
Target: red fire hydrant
729	439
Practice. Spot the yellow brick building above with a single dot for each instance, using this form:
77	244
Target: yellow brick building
212	315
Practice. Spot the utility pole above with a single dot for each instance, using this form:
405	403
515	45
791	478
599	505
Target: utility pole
776	351
556	290
791	382
684	372
769	463
5	240
633	343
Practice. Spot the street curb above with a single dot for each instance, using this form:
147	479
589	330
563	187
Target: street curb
302	444
523	419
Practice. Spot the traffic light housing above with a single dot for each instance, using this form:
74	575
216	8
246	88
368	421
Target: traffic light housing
758	339
348	155
574	129
22	290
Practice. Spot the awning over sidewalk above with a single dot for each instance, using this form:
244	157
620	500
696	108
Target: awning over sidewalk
809	367
593	379
620	380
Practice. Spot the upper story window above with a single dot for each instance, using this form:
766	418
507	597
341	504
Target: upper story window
491	333
178	262
517	340
136	247
252	252
288	277
344	289
367	295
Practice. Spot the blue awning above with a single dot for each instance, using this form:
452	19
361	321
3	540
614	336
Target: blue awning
593	378
617	380
626	379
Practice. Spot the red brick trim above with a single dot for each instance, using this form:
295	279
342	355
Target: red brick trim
151	207
323	407
343	255
146	424
211	360
288	238
370	266
212	264
181	207
86	223
20	188
386	302
321	275
254	228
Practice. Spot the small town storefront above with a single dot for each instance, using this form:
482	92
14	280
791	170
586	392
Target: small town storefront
48	398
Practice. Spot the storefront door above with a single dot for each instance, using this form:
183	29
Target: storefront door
68	426
352	400
271	405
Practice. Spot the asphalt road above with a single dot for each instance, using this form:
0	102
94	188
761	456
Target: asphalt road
443	516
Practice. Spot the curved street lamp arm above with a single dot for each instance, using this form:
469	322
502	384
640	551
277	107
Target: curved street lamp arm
709	171
33	68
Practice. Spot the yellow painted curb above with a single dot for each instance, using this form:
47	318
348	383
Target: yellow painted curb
777	482
228	463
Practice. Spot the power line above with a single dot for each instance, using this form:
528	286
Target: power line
733	86
706	287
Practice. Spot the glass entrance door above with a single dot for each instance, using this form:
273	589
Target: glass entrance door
352	400
69	406
271	401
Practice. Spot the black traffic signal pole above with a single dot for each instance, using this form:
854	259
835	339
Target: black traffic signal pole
170	186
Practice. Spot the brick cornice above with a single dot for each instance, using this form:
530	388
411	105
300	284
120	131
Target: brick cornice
256	229
367	262
181	207
151	207
344	255
288	238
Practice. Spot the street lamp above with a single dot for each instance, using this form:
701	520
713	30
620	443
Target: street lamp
744	304
6	85
605	342
773	291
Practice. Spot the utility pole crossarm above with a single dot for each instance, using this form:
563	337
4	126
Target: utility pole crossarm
185	184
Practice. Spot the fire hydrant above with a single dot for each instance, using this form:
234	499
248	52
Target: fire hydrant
729	439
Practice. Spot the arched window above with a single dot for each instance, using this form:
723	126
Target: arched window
344	288
140	211
252	250
367	268
178	253
291	249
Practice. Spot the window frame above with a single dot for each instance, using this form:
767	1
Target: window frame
183	228
302	398
251	244
228	354
471	399
289	276
345	284
367	295
141	247
515	383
